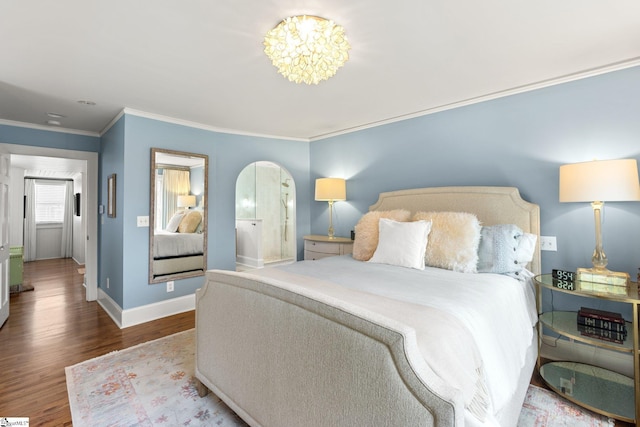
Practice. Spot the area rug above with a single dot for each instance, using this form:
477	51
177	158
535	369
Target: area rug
152	384
544	408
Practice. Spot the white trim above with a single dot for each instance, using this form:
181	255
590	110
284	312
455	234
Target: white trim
145	313
111	307
111	123
562	349
488	97
196	125
47	128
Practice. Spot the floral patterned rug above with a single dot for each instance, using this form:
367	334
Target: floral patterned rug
152	384
544	408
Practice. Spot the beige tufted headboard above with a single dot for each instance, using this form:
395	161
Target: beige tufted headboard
492	205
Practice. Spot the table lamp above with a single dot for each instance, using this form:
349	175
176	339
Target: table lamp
331	190
597	182
186	201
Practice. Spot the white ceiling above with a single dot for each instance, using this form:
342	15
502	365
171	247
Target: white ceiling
49	167
202	61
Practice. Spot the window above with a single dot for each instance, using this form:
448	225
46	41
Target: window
50	199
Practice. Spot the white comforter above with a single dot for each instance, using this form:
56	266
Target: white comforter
484	322
167	244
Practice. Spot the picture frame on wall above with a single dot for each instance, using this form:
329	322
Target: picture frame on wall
111	196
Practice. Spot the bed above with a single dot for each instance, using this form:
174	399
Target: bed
177	252
180	247
345	342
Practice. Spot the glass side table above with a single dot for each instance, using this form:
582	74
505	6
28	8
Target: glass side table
595	388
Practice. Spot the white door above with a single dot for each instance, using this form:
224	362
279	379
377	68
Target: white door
4	237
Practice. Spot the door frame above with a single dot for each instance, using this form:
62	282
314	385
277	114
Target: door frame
90	202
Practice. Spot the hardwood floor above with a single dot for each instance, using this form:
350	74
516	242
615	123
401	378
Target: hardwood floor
52	327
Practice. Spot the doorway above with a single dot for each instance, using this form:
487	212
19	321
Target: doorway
89	183
265	216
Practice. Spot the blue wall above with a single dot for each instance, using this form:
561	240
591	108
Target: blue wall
49	139
519	141
228	155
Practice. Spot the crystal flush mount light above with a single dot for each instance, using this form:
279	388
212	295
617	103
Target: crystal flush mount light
307	48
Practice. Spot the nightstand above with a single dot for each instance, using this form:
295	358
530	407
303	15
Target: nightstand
593	387
318	247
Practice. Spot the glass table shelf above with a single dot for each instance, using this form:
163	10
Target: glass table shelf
566	323
595	388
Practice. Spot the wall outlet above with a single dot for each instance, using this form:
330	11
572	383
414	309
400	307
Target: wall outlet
107	283
170	286
143	221
548	243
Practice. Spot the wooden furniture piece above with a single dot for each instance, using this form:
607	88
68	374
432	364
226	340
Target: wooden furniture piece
592	387
318	247
322	361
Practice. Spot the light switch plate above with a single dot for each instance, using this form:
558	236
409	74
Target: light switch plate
143	221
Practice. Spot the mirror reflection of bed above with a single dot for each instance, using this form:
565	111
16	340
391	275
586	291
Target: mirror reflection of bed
178	215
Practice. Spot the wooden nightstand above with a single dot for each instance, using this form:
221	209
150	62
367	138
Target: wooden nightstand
317	247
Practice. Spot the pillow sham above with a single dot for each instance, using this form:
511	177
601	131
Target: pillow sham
174	222
367	231
505	249
402	243
453	241
190	222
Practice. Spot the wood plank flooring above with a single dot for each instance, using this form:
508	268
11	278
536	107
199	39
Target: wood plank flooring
52	327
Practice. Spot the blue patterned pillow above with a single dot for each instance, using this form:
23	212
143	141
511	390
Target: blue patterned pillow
498	249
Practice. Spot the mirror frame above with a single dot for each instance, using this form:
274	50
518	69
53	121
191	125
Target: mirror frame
152	214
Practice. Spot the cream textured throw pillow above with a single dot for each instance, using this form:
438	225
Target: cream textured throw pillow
366	229
453	241
190	222
402	243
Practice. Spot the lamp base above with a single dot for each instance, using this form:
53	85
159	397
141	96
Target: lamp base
604	276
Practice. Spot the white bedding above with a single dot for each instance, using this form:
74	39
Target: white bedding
167	244
489	316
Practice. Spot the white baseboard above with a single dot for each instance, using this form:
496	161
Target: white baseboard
145	313
562	349
249	261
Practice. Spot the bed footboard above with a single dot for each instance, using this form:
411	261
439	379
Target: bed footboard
280	358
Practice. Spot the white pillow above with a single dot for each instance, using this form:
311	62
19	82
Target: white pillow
402	243
174	222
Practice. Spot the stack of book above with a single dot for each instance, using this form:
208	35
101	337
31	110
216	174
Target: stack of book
601	324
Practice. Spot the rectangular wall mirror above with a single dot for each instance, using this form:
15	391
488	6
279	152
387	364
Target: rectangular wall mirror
178	215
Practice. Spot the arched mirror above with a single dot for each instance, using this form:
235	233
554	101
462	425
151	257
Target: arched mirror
178	215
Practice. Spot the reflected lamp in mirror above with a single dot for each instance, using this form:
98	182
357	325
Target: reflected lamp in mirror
597	182
331	190
186	201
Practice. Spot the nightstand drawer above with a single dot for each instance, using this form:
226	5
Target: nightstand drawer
322	247
311	255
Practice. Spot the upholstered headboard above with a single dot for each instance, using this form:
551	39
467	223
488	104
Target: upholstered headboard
492	205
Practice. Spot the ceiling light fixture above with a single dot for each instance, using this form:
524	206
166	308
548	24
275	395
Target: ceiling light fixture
307	48
53	123
85	102
56	115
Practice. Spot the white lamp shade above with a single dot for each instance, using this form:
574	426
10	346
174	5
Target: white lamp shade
331	189
186	201
600	180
